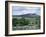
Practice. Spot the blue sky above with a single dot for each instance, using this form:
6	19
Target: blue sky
19	10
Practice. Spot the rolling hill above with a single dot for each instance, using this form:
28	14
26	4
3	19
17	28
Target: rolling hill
27	15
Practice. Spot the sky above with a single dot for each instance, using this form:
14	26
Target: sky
20	10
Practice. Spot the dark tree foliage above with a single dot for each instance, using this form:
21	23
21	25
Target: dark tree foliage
20	22
14	21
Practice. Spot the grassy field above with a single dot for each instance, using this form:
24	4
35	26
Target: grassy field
24	23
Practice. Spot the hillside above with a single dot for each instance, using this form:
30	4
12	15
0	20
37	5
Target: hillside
27	15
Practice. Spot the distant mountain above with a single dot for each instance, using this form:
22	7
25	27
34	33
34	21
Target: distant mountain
27	15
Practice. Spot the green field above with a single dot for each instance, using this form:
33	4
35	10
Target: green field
25	23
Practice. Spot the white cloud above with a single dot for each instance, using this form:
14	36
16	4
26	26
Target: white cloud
25	10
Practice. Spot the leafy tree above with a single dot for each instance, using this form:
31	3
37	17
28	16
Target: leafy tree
20	22
14	21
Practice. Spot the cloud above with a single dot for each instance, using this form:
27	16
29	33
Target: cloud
24	10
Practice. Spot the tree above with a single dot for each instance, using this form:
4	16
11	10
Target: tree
14	21
24	21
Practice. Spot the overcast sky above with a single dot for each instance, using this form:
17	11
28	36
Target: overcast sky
19	10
